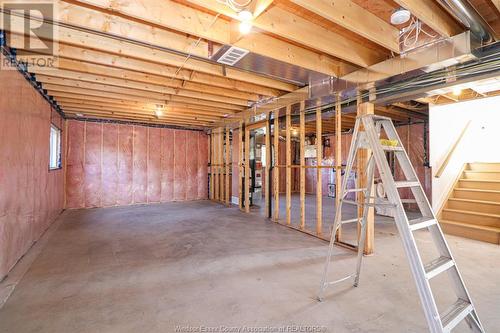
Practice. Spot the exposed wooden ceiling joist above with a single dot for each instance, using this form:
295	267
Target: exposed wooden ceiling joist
258	43
356	19
287	25
432	14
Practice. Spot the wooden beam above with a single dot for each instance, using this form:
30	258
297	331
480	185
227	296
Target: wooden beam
319	158
153	91
146	82
258	43
276	170
362	161
288	148
247	170
302	135
292	27
338	157
432	14
355	18
227	167
268	166
240	165
212	166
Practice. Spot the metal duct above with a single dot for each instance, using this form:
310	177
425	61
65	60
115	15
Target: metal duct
467	14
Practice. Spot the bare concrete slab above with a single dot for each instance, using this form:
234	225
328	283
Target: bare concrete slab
187	266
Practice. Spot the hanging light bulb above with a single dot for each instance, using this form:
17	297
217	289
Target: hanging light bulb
457	91
245	27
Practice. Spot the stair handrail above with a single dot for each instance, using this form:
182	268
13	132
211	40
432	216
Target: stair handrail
451	151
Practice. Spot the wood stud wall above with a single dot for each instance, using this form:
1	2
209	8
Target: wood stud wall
220	175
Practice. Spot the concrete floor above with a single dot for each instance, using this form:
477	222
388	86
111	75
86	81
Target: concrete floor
160	267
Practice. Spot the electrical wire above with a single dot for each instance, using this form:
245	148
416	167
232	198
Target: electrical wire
234	5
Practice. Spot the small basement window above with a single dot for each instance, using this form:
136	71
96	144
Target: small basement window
55	148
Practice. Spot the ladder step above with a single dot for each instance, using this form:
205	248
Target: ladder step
349	221
455	314
422	223
340	280
437	266
392	148
352	190
407	183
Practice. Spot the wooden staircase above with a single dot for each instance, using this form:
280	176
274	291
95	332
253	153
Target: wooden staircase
472	209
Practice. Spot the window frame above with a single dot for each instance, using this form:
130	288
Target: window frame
59	148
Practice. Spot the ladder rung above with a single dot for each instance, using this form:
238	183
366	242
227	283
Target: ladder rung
352	190
421	223
392	148
349	221
437	266
455	314
340	280
407	183
369	204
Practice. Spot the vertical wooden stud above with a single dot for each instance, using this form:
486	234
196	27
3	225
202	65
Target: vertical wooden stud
212	167
227	166
288	148
302	134
267	190
216	165
240	166
362	161
319	157
247	170
276	169
338	157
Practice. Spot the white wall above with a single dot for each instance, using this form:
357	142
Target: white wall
481	142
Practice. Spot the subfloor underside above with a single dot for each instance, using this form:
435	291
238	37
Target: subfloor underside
188	266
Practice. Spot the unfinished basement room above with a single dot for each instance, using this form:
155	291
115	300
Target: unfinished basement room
266	166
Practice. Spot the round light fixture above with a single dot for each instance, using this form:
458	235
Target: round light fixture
457	91
400	16
245	15
245	27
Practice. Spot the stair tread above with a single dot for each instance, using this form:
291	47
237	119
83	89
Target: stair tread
475	190
476	201
479	180
472	226
470	212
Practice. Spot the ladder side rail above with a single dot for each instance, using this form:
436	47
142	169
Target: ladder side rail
435	230
416	265
370	172
338	212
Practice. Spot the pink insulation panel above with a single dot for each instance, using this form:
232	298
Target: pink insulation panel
31	196
117	164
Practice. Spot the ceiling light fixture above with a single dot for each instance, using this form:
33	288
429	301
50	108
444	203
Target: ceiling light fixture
245	27
400	16
79	114
159	110
245	15
457	91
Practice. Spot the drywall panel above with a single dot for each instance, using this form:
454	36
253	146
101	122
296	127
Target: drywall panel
31	196
117	164
479	143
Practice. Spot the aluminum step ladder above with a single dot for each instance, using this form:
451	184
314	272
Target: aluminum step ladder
367	135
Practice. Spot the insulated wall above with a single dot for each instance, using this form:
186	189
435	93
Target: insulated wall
113	164
31	196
